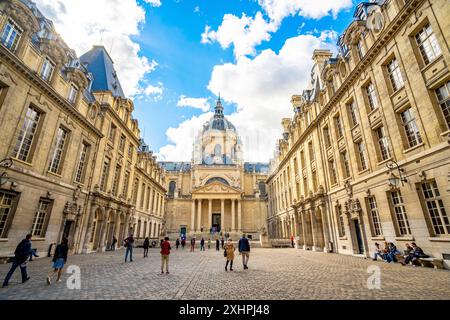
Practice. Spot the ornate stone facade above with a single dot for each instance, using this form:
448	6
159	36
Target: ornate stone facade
366	157
77	167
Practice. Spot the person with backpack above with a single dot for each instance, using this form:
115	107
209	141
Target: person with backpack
59	260
202	244
165	253
128	243
21	255
146	245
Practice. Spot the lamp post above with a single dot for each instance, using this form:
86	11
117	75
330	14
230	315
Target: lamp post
395	180
6	164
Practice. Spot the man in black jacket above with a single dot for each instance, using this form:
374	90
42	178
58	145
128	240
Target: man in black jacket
244	250
21	255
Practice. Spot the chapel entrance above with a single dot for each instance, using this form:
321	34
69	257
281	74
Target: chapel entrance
216	222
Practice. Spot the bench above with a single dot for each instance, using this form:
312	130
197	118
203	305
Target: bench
432	263
281	244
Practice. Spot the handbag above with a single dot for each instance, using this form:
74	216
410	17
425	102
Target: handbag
225	253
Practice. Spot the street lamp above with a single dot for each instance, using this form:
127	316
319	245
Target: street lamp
395	180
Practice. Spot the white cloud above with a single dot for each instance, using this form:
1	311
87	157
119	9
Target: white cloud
261	88
246	33
182	138
154	3
111	23
155	92
198	103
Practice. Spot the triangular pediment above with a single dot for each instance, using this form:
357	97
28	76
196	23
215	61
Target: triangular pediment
216	187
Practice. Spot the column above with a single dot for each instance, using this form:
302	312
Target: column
305	246
193	216
326	232
209	214
89	230
199	215
313	228
222	215
239	215
233	215
283	231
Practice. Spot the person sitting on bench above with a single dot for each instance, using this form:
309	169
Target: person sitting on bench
414	255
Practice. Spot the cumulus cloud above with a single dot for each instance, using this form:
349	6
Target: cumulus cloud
155	92
182	138
154	3
111	23
197	103
246	33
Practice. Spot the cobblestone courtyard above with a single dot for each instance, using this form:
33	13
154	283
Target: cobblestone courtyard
274	274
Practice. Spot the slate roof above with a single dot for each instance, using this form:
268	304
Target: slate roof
100	65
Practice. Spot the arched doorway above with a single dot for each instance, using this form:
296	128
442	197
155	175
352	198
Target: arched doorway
96	229
121	236
110	224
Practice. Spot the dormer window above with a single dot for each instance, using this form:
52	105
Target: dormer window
47	69
73	91
11	35
360	49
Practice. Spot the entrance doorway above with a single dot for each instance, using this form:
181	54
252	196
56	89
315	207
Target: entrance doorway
67	228
183	231
216	222
359	241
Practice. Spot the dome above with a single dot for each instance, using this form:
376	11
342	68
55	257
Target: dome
219	122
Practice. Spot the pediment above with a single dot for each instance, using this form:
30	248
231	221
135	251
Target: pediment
216	188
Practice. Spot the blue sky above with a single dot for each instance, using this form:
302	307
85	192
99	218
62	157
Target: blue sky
256	53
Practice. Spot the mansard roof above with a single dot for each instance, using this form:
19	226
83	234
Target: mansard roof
98	62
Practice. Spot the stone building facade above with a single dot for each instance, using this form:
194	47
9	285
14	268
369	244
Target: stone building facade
217	193
74	164
366	157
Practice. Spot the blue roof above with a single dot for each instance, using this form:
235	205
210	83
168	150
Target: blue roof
176	166
100	65
257	167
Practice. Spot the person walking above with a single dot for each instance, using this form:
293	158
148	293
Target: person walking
177	243
183	243
244	250
59	260
202	244
222	242
129	243
21	255
209	243
165	253
146	245
292	241
229	254
192	244
113	244
217	244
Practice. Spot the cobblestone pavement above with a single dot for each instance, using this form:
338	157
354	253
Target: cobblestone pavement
274	274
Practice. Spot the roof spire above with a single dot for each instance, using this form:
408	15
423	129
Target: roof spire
218	109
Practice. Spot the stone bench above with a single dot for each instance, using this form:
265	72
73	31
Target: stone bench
281	244
432	263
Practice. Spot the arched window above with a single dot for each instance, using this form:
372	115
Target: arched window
262	189
172	187
222	180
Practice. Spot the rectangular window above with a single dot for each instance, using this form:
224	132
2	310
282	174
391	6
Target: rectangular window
435	208
130	151
345	164
339	128
362	156
314	181
105	174
372	96
126	182
333	172
122	142
58	151
142	196
82	160
112	133
6	212
353	113
411	130
135	190
443	95
47	69
116	180
147	205
312	156
428	44
11	35
400	213
374	216
39	223
360	49
327	137
383	143
73	92
302	157
27	133
395	75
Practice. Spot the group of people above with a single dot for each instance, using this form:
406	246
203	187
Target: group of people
390	252
24	253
